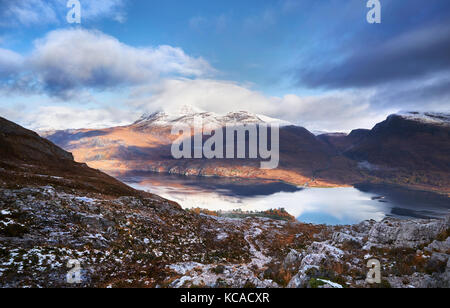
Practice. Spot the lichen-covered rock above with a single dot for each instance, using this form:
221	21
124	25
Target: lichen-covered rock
326	249
405	233
439	246
301	279
294	257
118	239
340	238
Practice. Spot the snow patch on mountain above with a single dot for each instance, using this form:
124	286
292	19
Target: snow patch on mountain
437	118
187	114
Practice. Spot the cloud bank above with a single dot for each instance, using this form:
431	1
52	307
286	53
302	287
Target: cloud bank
358	73
415	54
69	60
404	61
334	111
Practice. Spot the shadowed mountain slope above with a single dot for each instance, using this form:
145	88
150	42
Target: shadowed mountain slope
28	159
409	149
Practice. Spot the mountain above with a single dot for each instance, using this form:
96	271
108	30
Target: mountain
17	143
343	142
28	159
408	148
146	146
186	115
407	141
54	211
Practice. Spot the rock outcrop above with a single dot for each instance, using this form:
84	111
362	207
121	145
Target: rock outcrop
409	234
395	243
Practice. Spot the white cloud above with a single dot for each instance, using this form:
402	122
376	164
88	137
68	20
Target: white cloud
67	61
66	117
29	12
10	62
337	111
35	12
99	8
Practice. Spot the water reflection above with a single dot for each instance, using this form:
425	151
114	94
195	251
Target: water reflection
312	205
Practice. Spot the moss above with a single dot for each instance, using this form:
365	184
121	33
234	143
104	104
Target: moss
315	283
218	269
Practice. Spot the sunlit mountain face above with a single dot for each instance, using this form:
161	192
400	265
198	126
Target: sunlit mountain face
224	144
405	149
278	59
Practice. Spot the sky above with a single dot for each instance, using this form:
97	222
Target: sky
318	64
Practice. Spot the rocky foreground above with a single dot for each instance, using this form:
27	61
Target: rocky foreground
54	210
144	242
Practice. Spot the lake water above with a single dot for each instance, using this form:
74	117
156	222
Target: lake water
333	206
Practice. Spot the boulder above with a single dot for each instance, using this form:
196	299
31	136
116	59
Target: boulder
395	233
293	258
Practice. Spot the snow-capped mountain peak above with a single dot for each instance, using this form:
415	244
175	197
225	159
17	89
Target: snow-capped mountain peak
437	118
187	114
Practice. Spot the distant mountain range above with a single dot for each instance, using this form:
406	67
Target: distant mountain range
186	114
411	149
54	210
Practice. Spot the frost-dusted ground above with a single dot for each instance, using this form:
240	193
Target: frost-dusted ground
53	209
148	242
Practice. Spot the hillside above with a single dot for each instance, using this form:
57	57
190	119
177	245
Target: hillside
53	210
146	146
28	159
411	149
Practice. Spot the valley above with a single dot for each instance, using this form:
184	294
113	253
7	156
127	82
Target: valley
409	150
54	210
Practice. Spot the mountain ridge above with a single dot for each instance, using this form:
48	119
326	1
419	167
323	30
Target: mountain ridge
54	210
187	114
328	160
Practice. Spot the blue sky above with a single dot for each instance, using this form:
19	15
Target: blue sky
314	63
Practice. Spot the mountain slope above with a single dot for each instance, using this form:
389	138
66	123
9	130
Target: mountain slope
146	146
17	143
343	142
28	159
406	142
53	210
410	149
187	114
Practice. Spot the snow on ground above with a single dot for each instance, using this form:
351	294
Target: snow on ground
85	199
183	268
222	236
427	117
259	259
195	274
331	284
